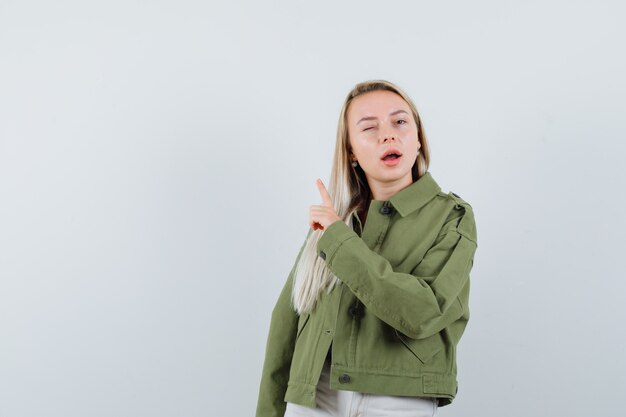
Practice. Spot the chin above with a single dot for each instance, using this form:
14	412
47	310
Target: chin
394	176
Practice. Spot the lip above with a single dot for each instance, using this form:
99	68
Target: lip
390	151
391	162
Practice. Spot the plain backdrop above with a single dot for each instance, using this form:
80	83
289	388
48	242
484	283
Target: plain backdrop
158	159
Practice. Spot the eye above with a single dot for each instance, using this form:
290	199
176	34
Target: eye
403	121
368	128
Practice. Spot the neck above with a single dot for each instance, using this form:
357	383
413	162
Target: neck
383	191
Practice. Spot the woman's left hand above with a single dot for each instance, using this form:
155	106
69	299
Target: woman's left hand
322	216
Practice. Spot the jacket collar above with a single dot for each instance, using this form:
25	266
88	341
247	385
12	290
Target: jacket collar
415	195
410	198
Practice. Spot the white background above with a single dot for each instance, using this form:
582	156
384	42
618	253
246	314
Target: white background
158	158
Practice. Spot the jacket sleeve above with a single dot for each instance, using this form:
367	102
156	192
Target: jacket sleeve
279	351
420	304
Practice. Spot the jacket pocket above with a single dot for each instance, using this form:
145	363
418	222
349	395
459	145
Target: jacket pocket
302	321
422	349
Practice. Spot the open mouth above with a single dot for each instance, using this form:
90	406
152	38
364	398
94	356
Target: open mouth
391	160
391	157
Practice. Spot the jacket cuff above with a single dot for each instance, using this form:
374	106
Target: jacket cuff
332	238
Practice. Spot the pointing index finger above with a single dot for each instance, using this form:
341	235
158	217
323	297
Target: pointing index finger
325	196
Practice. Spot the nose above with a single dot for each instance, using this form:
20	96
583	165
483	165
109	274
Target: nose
387	133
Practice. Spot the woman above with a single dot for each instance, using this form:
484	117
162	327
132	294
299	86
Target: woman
372	311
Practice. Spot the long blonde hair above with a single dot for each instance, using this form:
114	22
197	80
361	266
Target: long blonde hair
350	192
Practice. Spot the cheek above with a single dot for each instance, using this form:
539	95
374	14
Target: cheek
413	152
363	143
414	141
369	155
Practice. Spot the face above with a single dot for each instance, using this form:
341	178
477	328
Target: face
379	121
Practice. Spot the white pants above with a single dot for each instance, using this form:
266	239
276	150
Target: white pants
341	403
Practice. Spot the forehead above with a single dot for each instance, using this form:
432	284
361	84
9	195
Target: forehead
376	103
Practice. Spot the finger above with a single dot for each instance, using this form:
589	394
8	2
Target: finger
325	196
315	225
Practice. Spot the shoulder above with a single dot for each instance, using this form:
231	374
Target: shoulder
460	215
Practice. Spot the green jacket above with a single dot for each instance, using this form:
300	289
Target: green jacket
393	322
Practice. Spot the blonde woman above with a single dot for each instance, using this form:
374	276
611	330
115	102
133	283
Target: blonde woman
371	313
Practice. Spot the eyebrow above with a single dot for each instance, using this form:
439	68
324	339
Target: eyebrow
374	118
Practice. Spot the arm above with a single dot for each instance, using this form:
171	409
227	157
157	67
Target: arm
419	304
279	351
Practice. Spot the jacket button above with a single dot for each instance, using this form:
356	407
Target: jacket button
385	210
322	255
344	379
